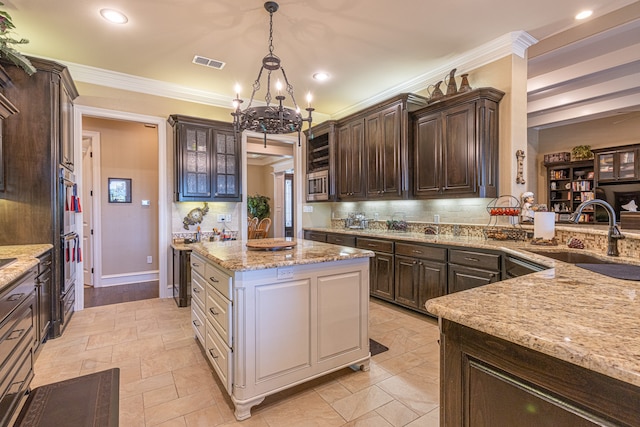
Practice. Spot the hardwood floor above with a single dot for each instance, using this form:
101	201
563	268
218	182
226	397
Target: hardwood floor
94	297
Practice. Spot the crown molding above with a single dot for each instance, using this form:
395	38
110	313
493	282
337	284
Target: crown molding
514	43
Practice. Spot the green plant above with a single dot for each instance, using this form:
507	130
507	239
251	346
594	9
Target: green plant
7	41
581	152
258	206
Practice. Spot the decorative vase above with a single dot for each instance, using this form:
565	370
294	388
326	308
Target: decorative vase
437	92
464	84
452	88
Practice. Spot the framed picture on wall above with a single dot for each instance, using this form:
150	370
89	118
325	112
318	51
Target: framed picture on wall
119	190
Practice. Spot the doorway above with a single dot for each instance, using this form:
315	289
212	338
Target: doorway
268	172
160	202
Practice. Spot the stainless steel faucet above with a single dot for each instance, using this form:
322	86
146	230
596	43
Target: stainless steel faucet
614	232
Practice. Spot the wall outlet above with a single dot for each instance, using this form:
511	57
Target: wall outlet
307	208
221	217
227	217
149	259
285	273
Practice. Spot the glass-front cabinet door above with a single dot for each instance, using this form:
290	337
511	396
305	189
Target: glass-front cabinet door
617	164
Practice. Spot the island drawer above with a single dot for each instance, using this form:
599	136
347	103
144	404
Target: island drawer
197	290
341	240
375	245
17	328
219	280
198	322
419	251
486	261
17	293
197	264
218	311
220	357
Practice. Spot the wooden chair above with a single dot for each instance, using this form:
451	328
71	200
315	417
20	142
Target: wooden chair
252	225
263	228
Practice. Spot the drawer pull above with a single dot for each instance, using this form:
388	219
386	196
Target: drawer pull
15	334
213	311
212	354
471	259
195	264
196	290
196	324
415	251
15	297
213	279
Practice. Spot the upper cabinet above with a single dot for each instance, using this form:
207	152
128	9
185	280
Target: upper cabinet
455	146
6	109
207	160
617	164
373	150
350	159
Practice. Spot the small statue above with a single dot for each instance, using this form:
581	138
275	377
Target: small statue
528	207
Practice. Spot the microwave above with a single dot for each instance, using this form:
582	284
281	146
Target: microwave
318	186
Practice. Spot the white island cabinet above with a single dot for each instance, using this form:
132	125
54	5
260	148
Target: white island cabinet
269	320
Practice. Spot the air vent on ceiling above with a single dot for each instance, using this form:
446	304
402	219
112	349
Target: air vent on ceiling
201	60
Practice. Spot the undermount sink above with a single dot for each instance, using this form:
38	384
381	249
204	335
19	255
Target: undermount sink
6	261
607	267
572	257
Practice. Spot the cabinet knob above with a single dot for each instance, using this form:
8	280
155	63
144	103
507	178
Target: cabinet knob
212	353
213	311
196	323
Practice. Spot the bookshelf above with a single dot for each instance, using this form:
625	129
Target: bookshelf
568	185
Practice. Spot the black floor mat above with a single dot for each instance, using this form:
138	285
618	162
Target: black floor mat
376	348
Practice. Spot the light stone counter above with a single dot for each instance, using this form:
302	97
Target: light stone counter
565	312
26	258
234	255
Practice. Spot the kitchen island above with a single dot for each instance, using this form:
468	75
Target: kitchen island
271	319
557	347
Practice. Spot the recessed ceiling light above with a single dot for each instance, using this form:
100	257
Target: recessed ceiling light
321	76
584	14
114	16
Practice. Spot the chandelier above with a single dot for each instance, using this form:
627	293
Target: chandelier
270	119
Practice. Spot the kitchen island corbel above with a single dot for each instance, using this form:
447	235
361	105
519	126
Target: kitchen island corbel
269	320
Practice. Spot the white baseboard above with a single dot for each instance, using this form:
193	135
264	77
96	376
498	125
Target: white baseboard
125	279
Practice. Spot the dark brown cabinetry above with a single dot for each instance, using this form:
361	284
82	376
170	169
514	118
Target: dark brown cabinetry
6	110
181	277
373	150
17	340
455	146
320	152
381	267
33	143
470	269
383	131
487	381
617	164
420	274
207	160
43	284
350	159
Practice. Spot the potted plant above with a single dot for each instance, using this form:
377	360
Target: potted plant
7	41
258	206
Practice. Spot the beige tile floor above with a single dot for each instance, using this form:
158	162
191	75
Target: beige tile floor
165	379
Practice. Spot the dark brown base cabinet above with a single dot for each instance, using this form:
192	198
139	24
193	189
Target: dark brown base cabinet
487	381
420	274
381	269
470	269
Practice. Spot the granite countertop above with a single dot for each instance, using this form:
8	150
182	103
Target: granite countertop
26	258
234	255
